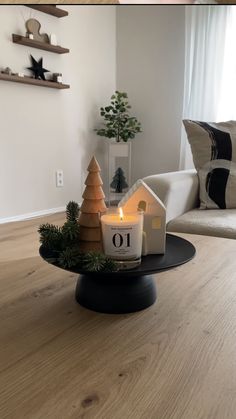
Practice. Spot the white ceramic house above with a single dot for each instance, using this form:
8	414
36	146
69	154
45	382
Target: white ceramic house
141	196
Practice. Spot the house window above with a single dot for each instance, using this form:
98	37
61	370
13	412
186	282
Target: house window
156	223
142	205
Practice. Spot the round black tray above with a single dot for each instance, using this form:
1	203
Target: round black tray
130	290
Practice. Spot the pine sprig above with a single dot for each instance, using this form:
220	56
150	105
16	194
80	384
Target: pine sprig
70	231
109	265
93	262
72	211
70	257
90	262
98	262
50	236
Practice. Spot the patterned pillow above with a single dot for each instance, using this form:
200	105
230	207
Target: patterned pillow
213	147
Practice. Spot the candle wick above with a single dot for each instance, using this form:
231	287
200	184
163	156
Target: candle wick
121	214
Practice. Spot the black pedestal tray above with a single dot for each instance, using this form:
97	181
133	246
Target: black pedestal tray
131	290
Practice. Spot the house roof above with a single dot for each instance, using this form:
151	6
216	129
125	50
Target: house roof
146	192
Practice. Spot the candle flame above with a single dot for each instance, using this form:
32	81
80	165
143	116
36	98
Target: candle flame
121	213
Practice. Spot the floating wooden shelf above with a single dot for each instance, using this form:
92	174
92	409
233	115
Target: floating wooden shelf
35	82
49	9
22	40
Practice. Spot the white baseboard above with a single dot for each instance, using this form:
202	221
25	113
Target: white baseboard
30	215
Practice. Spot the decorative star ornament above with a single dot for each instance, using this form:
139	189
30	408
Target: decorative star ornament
37	68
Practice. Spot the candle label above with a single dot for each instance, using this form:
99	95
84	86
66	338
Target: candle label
118	239
123	242
122	237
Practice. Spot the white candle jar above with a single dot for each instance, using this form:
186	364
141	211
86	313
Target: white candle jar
122	235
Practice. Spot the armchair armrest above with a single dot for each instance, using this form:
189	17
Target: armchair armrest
178	191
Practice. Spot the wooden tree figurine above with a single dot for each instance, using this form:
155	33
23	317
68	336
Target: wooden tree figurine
91	209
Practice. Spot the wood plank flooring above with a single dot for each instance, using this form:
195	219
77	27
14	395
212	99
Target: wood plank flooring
175	360
102	2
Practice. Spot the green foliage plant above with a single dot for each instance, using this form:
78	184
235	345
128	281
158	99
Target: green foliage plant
118	123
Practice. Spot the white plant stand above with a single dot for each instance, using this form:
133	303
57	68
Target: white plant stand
119	155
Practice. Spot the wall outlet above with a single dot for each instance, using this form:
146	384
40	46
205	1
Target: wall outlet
59	179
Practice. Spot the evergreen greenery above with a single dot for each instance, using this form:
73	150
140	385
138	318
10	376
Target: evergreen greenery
118	123
109	265
70	257
70	231
72	211
95	262
65	242
50	236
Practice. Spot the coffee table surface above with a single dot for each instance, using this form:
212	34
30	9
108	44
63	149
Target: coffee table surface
174	360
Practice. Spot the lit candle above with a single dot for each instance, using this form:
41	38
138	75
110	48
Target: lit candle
122	235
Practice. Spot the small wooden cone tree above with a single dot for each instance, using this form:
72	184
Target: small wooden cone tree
91	209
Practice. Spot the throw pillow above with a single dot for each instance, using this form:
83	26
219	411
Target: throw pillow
213	148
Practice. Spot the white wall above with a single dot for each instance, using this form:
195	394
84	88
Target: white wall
150	67
43	129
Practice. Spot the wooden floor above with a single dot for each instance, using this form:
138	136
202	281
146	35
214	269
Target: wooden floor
70	2
174	360
122	2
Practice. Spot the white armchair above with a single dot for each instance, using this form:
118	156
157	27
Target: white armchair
179	192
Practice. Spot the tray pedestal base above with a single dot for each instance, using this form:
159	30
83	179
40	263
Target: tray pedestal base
117	294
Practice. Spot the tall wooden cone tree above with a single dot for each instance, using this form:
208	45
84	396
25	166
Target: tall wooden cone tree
91	209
